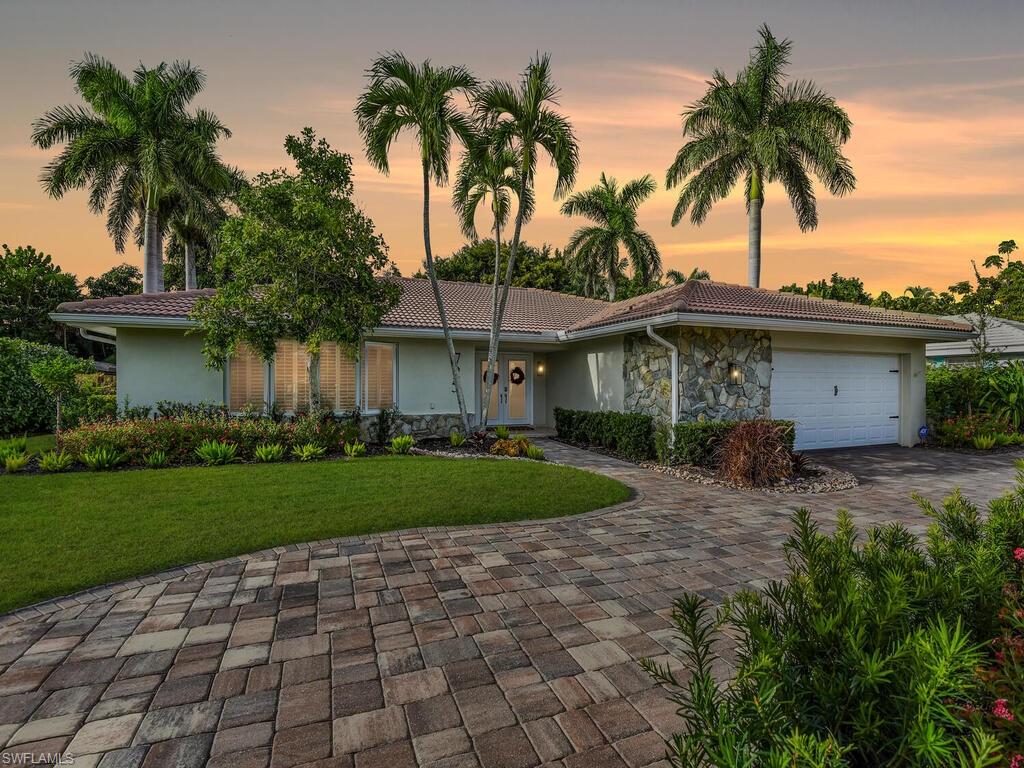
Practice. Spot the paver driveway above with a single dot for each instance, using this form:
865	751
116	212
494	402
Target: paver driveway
505	645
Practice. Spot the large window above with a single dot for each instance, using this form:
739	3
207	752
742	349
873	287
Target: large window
291	377
291	382
337	378
247	379
378	376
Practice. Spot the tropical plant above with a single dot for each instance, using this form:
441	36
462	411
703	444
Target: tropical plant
759	128
304	261
156	459
15	462
593	251
385	423
514	447
489	174
755	453
984	442
401	96
355	449
534	452
31	287
675	277
24	406
122	280
102	457
13	445
57	377
310	451
519	124
401	445
217	452
1005	396
456	439
502	432
55	461
268	452
132	145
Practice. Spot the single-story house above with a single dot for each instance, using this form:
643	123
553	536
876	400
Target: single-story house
847	374
1005	340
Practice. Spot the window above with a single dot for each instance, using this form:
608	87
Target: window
246	373
291	382
378	376
291	377
337	378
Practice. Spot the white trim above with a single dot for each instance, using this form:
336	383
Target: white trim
481	357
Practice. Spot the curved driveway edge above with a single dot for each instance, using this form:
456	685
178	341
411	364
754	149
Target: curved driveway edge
504	645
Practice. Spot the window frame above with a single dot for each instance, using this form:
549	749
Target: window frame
362	371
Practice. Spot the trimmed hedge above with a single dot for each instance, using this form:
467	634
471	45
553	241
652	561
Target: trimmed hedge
631	434
24	406
696	442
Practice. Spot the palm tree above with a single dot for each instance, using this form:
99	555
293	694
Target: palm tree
594	250
489	173
402	96
763	130
521	120
133	144
675	277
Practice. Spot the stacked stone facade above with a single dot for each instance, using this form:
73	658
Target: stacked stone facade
418	425
705	388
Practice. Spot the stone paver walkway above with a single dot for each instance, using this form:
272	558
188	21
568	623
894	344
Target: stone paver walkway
497	646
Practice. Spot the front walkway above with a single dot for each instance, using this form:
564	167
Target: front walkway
506	645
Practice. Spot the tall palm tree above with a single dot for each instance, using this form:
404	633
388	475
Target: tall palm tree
489	174
521	119
675	277
761	129
131	146
420	98
595	249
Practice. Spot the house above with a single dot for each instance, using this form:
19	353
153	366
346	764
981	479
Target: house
1005	340
847	374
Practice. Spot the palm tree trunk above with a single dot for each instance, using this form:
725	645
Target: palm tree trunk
153	263
754	233
610	282
456	379
510	269
492	346
190	266
313	376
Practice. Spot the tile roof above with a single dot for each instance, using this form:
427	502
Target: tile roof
531	310
1005	337
709	298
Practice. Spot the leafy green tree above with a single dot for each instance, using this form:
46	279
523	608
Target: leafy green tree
593	250
202	260
837	288
131	146
31	286
761	129
57	376
405	97
305	262
542	267
980	299
122	280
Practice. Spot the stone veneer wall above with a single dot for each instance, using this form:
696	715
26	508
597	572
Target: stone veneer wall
419	425
705	391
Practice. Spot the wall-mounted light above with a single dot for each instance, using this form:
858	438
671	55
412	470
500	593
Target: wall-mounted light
735	374
540	369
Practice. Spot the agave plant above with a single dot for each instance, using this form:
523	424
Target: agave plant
401	445
53	461
216	452
456	438
311	451
156	459
267	452
355	449
15	462
102	458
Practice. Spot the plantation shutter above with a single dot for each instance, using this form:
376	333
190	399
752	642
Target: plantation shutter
337	378
379	363
291	381
246	379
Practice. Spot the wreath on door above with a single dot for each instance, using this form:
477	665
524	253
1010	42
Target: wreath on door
494	377
517	375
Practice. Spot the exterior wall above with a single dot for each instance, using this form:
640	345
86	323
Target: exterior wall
154	364
587	375
425	378
705	391
912	367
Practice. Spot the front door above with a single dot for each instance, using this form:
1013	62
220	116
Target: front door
512	393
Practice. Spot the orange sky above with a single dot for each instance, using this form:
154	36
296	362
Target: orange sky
934	91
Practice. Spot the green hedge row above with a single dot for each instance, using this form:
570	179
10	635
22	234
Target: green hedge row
24	406
631	434
954	391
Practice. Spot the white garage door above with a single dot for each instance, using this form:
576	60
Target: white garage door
836	399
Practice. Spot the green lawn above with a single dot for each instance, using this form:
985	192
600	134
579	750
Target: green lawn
62	533
40	443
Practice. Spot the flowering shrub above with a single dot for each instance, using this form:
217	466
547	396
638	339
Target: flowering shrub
962	431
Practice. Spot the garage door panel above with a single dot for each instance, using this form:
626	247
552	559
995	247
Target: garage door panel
837	399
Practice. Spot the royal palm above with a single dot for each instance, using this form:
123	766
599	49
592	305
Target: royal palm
418	98
759	129
132	145
593	251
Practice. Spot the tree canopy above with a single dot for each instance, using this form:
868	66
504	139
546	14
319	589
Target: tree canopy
31	286
122	280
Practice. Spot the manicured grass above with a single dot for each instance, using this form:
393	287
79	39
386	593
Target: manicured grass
62	533
40	443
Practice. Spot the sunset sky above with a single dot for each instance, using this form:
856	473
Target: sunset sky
935	91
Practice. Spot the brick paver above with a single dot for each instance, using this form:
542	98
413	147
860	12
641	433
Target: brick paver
500	645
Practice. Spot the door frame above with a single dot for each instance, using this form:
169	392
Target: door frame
501	360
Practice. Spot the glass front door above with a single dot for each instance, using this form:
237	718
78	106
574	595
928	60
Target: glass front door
510	396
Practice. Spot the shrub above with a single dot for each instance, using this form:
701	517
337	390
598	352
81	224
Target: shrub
863	652
24	405
216	452
310	451
175	409
1005	395
53	461
535	452
754	453
156	459
267	452
94	401
954	391
13	445
58	376
385	423
631	434
696	442
15	462
102	458
324	430
355	449
502	432
962	430
130	412
663	443
401	445
984	442
456	438
513	446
